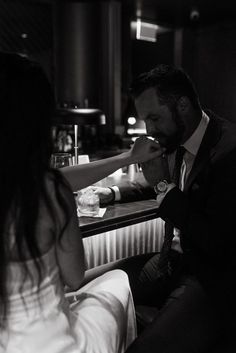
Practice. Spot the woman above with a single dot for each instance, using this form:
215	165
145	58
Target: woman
41	249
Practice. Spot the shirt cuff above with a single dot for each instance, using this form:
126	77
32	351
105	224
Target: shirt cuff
117	192
160	197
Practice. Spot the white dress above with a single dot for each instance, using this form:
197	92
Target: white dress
99	319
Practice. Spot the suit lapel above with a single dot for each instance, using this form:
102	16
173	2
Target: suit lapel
211	137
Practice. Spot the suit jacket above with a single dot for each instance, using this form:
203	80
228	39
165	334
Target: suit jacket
205	211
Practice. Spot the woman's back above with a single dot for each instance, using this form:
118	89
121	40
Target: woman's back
38	319
41	320
37	309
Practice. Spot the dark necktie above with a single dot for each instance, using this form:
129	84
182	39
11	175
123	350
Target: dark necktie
163	263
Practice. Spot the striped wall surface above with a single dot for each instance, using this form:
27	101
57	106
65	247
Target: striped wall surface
132	240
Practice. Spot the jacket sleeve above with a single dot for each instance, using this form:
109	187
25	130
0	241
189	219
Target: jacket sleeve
136	190
208	226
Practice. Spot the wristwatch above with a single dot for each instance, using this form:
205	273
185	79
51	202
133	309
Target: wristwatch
161	187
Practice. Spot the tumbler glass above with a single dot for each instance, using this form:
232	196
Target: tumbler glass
87	202
60	160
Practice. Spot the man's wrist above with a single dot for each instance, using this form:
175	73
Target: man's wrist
161	186
115	193
161	195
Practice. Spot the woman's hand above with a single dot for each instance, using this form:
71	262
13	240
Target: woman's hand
145	149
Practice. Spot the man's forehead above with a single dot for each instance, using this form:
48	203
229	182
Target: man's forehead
149	93
147	100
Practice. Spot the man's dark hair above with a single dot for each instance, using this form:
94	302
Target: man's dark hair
170	83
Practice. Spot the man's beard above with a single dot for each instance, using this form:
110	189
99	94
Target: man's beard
172	142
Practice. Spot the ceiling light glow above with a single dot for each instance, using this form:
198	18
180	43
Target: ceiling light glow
131	120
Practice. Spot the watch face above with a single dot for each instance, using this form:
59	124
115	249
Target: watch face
162	186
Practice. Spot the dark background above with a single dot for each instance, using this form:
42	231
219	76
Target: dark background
107	57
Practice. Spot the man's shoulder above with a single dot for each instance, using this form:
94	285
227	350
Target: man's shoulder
222	123
227	137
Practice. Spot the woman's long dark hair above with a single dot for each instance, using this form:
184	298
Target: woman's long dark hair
26	107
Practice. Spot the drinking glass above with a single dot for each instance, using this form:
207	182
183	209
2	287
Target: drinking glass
83	158
60	160
87	202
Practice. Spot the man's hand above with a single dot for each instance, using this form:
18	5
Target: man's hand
105	195
155	170
145	149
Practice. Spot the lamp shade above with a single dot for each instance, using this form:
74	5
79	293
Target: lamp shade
79	116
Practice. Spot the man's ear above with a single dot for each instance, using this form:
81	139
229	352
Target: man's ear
183	104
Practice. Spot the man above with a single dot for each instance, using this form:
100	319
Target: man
194	293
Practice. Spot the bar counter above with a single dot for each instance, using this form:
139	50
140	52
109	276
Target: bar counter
119	215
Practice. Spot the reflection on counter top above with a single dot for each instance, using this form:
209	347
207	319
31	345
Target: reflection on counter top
119	215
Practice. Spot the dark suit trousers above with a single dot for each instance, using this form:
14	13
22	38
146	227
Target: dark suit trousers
188	319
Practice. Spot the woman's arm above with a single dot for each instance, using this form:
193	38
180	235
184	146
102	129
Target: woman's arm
70	251
80	176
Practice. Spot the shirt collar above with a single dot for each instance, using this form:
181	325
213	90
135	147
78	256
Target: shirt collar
193	143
